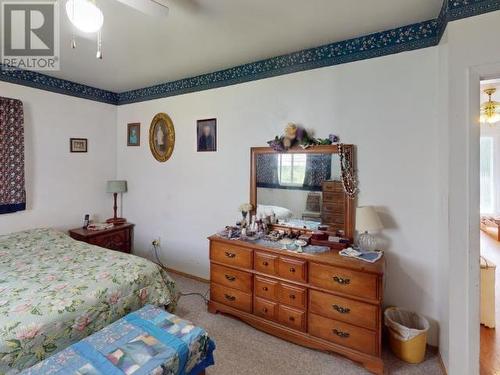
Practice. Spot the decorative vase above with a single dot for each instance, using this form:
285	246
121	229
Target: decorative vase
367	242
244	214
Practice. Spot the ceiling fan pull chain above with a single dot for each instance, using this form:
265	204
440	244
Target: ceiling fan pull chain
73	41
99	45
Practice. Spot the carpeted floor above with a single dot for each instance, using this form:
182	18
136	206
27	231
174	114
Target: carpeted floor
243	350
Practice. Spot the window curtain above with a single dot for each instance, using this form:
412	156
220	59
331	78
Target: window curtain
267	171
318	169
12	188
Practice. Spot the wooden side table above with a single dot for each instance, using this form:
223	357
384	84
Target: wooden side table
119	238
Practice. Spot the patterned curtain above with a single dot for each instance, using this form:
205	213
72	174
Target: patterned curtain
318	169
267	170
12	190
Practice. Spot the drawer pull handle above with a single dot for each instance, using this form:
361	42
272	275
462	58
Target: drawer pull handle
341	280
291	318
342	310
230	255
292	296
230	278
292	270
344	335
265	264
229	298
265	288
265	310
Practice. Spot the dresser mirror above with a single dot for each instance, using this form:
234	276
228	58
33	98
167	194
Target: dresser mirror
302	188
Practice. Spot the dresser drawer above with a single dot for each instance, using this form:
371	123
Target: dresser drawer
231	297
333	197
333	208
265	309
335	186
344	334
230	277
119	240
293	269
344	309
266	288
231	255
266	263
335	218
292	296
292	318
343	280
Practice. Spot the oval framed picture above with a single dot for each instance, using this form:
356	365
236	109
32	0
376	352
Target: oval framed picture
161	137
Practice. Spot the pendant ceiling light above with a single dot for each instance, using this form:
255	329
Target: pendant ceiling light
490	110
84	15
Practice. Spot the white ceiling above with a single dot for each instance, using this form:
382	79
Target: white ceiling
202	36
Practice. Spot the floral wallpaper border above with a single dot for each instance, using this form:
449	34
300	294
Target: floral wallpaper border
61	86
405	38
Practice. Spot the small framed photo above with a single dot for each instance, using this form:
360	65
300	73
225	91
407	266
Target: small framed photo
206	132
134	134
78	144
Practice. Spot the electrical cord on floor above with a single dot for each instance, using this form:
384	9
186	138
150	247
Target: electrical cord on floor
156	245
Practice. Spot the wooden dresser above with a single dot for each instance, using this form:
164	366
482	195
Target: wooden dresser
119	238
322	301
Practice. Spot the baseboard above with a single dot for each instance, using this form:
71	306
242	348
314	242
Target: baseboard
189	276
435	350
441	364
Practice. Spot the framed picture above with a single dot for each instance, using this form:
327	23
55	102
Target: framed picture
78	144
134	134
206	133
162	137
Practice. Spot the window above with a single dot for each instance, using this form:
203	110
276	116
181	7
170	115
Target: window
292	169
486	175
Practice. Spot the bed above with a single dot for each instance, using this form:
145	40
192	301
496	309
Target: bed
54	291
281	213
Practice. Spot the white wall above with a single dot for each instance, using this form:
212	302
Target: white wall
473	53
442	194
387	107
63	186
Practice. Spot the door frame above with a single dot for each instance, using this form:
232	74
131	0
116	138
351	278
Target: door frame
476	74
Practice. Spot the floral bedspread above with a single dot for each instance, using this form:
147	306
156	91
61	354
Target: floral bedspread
54	291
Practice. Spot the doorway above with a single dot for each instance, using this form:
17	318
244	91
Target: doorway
489	175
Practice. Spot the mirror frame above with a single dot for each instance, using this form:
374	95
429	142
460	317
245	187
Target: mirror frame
322	149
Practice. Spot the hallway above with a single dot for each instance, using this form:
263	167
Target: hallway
490	338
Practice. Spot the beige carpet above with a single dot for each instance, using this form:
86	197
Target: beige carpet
243	350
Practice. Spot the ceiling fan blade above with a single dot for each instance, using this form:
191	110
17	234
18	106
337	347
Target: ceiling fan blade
155	8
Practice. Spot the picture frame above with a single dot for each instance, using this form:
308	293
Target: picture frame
78	145
161	137
206	135
134	134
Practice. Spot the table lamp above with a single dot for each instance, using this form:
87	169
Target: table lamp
115	187
367	221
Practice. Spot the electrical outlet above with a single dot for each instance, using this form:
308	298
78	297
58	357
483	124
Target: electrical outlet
156	242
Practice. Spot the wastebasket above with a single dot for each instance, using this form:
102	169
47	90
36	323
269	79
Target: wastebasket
407	334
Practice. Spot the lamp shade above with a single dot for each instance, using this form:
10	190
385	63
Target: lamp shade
367	220
116	186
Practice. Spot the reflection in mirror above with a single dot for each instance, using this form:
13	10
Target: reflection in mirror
292	186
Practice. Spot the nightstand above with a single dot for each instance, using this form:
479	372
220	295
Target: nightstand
119	238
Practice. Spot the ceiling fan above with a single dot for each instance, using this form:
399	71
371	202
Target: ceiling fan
154	8
87	17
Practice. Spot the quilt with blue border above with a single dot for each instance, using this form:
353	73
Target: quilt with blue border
149	341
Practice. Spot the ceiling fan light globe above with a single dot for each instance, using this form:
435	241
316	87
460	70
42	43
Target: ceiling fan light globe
494	119
84	15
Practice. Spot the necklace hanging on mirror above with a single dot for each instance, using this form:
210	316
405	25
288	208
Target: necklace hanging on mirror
349	180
